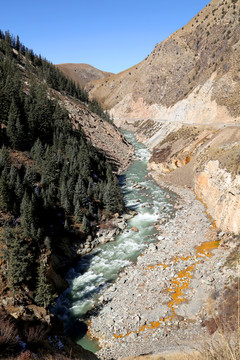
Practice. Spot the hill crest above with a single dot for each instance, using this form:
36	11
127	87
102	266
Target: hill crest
82	74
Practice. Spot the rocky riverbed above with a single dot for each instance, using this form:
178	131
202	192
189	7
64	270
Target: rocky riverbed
160	302
107	232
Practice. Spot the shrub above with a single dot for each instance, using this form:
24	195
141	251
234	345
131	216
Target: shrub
26	355
8	333
35	334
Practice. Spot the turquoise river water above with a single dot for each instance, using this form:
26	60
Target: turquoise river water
101	267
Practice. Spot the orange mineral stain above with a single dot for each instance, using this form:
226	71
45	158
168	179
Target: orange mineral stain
213	222
205	248
152	267
183	258
178	284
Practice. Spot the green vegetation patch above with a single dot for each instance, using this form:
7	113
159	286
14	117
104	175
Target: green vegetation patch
53	182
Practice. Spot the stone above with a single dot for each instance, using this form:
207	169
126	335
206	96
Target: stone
152	248
127	216
221	234
102	240
89	238
133	336
135	229
122	225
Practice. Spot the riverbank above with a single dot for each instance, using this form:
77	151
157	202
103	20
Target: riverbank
163	301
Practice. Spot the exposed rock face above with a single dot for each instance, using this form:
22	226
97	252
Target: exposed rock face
193	75
82	73
198	107
221	192
202	158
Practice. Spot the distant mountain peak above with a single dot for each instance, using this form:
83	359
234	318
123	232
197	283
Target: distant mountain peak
82	73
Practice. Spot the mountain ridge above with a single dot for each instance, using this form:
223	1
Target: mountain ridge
198	59
82	73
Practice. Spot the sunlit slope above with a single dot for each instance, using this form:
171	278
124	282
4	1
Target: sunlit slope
196	69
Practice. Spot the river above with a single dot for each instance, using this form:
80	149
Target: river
98	269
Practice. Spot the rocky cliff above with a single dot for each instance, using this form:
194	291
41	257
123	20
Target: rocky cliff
202	158
221	194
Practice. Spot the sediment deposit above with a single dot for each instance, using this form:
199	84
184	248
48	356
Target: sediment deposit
161	302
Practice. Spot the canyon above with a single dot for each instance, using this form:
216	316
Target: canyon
182	102
169	282
188	87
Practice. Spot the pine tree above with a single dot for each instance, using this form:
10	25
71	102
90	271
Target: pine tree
99	215
44	296
6	195
5	159
18	257
113	198
85	225
20	135
15	130
30	177
80	193
78	212
90	188
17	44
19	191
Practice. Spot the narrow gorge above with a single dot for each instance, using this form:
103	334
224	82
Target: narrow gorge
120	193
182	103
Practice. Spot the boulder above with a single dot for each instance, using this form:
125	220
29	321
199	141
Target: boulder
135	229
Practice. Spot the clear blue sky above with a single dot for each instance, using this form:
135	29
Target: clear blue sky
110	35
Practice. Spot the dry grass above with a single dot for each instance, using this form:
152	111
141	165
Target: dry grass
184	133
225	348
228	157
225	343
233	258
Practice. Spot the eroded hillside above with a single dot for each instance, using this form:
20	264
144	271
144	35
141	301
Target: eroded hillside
203	158
192	76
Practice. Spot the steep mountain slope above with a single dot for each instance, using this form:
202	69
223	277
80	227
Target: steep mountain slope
192	76
82	73
102	134
205	159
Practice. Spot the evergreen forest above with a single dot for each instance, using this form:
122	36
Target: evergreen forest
53	182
